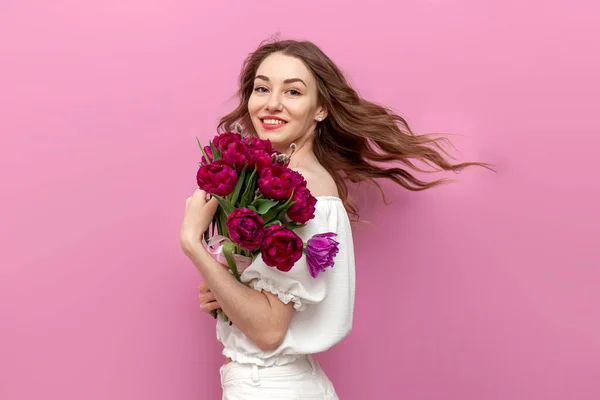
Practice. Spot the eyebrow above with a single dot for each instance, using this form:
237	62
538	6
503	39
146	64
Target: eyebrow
287	81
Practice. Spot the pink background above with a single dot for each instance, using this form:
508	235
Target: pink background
483	289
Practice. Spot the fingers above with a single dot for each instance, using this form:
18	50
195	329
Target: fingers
207	297
208	307
199	196
208	302
203	287
212	206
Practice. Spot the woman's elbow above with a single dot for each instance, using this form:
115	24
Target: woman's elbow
270	340
272	330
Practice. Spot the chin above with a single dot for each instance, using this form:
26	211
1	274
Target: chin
275	136
278	142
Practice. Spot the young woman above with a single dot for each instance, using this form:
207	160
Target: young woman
292	94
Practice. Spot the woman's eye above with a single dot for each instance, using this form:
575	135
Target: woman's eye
294	92
260	89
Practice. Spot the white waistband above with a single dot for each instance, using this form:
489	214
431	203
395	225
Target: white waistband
234	370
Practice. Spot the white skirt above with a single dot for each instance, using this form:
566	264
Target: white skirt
301	379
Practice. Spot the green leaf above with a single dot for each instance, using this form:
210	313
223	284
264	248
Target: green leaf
238	187
283	210
223	220
228	252
219	221
264	205
202	150
215	222
227	207
294	225
248	194
275	221
288	203
278	212
270	215
216	154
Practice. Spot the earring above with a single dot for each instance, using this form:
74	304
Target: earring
319	118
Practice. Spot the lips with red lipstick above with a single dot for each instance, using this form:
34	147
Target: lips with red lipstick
270	122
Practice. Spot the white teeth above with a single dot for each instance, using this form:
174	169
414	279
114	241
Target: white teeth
273	122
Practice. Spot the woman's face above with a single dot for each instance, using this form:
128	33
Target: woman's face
283	106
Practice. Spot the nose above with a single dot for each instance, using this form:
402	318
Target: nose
274	102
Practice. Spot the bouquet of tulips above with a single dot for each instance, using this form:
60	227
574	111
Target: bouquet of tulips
261	203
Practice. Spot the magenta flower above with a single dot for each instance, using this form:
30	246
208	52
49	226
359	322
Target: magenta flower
304	209
209	153
297	179
246	228
260	159
217	178
320	252
259	144
281	247
223	140
278	182
236	154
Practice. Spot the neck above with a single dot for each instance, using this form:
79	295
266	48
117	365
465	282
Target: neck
303	153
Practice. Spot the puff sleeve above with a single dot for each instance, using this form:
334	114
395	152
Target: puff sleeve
297	285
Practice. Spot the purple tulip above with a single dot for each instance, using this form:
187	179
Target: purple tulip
281	247
320	252
278	182
236	154
260	159
304	208
223	140
209	153
245	228
260	144
217	178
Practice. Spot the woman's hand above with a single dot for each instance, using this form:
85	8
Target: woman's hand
198	215
207	298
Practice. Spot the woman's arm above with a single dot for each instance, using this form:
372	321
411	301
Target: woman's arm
261	316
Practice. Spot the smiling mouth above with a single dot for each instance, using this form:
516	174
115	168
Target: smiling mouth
274	122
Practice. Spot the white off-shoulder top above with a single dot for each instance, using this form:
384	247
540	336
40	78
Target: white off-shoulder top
324	305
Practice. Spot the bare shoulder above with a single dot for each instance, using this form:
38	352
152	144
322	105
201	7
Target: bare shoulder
319	181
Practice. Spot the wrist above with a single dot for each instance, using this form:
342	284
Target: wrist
199	255
192	246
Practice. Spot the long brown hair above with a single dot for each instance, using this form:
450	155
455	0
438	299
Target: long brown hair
358	135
